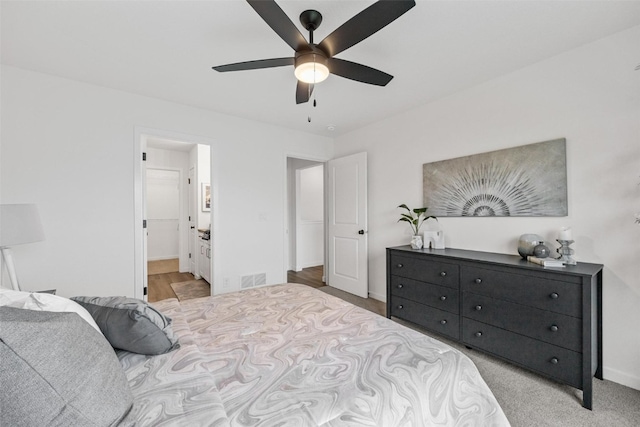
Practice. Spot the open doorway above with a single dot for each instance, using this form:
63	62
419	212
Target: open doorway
163	220
177	219
306	221
345	261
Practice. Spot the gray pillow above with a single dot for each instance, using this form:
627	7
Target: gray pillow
57	370
131	324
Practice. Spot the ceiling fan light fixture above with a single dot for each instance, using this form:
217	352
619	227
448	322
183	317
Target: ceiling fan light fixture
311	68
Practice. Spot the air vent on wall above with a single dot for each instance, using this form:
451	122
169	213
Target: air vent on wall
260	279
253	280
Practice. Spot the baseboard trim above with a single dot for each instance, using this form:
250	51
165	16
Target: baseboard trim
162	258
621	378
378	297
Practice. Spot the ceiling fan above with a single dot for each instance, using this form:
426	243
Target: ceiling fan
313	62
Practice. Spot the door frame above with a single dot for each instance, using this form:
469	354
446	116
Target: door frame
139	245
192	201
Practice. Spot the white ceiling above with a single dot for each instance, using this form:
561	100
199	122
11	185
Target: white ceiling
165	49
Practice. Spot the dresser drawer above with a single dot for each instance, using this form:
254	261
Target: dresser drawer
438	273
535	291
558	363
431	318
558	329
436	296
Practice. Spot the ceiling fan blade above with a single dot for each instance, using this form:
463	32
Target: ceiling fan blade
255	65
275	17
364	24
303	92
358	72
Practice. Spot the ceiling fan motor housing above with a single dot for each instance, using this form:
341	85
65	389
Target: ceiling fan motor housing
311	19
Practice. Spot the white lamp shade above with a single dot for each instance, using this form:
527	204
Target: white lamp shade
19	224
311	67
311	72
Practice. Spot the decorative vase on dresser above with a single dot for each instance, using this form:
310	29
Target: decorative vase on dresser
547	320
416	242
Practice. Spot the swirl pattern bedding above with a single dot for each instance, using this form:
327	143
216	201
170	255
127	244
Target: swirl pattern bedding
290	355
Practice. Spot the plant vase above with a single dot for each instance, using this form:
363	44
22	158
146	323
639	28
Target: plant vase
416	242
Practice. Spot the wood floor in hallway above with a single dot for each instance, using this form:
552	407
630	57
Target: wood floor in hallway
161	274
312	276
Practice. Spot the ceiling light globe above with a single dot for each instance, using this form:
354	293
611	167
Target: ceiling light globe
311	72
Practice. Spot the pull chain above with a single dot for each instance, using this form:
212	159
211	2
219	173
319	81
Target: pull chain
314	82
315	104
309	96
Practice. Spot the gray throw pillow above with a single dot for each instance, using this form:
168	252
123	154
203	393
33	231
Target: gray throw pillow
57	370
131	324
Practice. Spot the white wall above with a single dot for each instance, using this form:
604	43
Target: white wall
69	147
310	217
590	96
293	166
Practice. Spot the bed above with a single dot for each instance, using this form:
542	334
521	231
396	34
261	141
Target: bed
291	355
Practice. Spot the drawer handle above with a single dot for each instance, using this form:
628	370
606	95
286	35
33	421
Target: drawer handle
443	322
400	286
478	334
443	297
478	280
443	273
478	307
554	360
553	295
400	307
399	265
554	328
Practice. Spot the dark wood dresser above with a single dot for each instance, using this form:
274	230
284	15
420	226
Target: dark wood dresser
548	320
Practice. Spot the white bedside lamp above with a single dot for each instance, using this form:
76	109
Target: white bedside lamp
19	224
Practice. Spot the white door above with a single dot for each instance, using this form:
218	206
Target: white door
192	222
347	224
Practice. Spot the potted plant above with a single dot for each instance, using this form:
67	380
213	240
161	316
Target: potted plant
415	218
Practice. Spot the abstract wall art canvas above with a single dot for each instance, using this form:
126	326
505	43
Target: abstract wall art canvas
530	180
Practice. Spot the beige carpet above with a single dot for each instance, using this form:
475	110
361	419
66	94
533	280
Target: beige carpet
191	289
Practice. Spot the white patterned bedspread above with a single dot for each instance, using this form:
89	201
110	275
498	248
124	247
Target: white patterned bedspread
290	355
